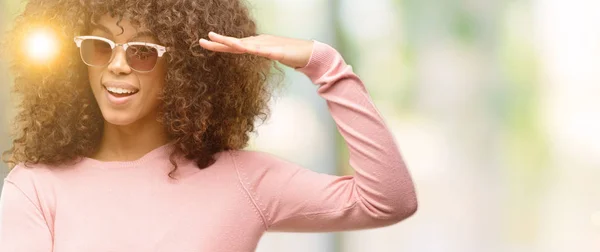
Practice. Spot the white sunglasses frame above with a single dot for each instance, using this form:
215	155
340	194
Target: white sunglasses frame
160	49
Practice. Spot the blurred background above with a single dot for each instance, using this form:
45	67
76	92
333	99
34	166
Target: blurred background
494	104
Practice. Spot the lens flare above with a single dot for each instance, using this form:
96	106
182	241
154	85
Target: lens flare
41	46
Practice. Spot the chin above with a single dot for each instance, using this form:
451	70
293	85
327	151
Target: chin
117	118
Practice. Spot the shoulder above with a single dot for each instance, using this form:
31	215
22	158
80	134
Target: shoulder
261	166
244	159
36	176
30	179
24	173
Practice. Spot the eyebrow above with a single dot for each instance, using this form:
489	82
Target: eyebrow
136	36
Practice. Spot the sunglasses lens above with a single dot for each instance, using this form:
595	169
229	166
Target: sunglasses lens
141	57
95	52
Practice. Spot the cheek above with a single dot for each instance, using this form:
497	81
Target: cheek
94	77
154	91
156	81
153	86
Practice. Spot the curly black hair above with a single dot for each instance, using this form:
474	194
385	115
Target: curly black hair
210	101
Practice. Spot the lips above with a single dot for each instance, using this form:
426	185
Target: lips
119	93
120	87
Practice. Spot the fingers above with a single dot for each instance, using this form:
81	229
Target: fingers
226	40
257	45
218	47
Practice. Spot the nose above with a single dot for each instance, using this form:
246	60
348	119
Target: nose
119	65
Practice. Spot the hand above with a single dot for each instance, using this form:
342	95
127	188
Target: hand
294	53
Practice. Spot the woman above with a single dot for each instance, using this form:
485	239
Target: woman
131	140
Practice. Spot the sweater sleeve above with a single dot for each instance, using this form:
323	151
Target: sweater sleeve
22	224
380	193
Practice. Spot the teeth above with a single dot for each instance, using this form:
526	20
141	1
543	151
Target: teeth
120	90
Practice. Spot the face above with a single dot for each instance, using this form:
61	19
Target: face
125	95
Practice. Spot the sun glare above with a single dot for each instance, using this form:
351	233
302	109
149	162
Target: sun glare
41	46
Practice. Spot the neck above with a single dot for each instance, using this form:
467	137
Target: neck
130	142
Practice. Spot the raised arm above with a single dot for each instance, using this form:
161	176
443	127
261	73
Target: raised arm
290	198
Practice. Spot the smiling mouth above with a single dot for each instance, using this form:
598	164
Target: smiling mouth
120	92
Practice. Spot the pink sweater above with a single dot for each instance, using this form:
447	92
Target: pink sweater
133	206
